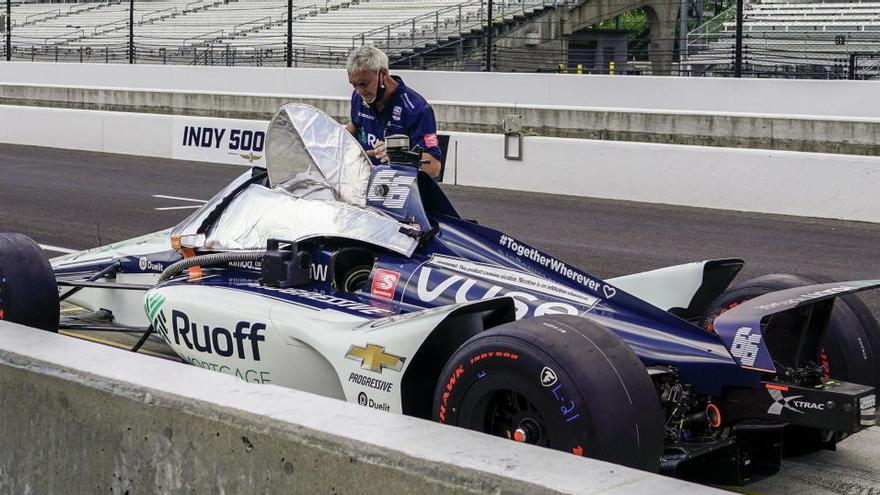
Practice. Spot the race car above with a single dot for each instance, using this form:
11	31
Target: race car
326	274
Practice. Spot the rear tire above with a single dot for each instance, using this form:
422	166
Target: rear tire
562	382
847	351
28	292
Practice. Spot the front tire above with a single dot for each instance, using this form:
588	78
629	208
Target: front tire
562	382
28	292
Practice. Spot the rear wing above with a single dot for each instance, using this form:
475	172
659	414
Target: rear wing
740	327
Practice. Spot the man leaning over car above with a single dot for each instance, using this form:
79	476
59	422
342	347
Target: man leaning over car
381	104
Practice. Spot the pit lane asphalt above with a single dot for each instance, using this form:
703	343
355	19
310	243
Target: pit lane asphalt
77	200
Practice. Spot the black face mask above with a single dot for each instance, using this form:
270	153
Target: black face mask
380	92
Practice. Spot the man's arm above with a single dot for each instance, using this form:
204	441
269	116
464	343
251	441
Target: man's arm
351	128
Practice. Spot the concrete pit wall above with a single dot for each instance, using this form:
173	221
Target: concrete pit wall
854	136
77	417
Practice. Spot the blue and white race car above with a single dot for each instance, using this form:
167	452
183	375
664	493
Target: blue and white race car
326	274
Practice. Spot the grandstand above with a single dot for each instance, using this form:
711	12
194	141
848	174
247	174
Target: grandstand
801	39
248	32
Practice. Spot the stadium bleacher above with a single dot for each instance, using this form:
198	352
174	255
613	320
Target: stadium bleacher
248	31
824	37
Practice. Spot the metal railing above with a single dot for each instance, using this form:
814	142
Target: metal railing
99	29
27	19
255	24
442	23
158	14
701	36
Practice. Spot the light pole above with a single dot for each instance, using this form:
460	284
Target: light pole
738	50
131	31
8	30
489	39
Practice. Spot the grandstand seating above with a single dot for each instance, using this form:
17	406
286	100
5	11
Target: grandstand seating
212	31
790	36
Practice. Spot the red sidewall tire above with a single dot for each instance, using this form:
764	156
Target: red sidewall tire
601	403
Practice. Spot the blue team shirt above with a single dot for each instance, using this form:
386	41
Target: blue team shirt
406	113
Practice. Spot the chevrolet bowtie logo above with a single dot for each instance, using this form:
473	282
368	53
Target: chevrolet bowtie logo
374	358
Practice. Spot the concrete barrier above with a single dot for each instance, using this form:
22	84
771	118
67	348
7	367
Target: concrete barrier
830	99
821	134
76	417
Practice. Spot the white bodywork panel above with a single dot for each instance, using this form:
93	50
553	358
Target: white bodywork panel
127	306
266	340
143	245
670	287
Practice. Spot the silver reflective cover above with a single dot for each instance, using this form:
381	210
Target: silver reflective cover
258	214
191	225
305	146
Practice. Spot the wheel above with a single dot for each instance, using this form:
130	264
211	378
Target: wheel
562	382
846	353
28	293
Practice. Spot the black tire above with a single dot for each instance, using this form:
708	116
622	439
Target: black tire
597	400
847	351
28	293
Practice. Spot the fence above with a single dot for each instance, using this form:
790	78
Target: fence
525	36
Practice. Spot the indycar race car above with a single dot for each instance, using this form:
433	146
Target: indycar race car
326	274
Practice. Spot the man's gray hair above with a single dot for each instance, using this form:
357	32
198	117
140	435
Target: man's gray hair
367	57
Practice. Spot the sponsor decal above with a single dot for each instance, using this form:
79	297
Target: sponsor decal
463	288
247	265
745	346
370	382
501	354
450	384
516	278
318	272
794	403
395	113
374	358
548	377
806	297
153	306
218	340
248	375
557	266
146	265
408	101
366	115
867	402
395	192
431	140
367	401
385	283
332	301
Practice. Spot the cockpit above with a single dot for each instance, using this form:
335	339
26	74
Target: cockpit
315	185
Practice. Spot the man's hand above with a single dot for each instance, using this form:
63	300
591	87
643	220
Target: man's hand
379	152
432	168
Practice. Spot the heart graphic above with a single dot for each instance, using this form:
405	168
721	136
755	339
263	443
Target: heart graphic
609	291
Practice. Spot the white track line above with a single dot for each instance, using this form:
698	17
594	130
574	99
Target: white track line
181	199
177	208
57	249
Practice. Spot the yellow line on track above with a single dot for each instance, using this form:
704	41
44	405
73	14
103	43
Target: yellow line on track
737	489
111	343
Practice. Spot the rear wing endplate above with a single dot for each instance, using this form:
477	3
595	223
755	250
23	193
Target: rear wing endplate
740	327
